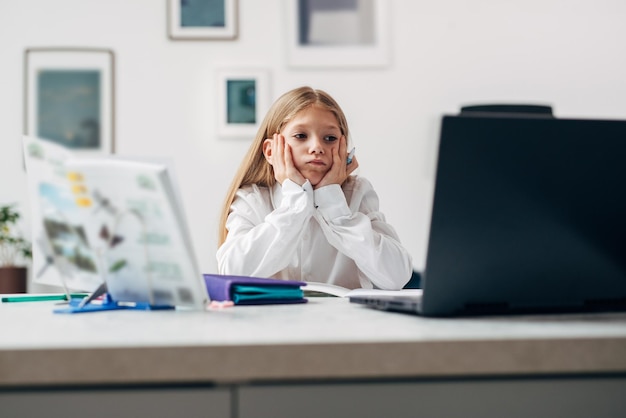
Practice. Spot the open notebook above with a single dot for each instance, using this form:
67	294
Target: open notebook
112	220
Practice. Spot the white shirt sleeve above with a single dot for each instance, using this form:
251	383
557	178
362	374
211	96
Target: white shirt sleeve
261	241
362	234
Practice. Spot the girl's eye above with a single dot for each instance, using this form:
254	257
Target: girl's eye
330	138
299	136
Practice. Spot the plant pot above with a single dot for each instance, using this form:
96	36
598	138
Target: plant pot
13	279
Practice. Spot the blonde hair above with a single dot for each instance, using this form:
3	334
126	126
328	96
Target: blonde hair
254	168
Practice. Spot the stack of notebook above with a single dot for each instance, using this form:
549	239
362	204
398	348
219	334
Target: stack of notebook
244	290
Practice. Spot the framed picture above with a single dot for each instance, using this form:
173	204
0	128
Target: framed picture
243	100
202	19
69	98
339	33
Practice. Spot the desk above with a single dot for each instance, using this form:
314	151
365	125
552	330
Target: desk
324	358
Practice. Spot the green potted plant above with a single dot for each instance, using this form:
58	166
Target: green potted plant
14	252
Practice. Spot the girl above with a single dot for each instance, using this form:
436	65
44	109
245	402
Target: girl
293	210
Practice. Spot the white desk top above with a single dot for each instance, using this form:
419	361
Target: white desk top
327	338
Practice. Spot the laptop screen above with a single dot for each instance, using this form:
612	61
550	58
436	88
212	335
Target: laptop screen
529	214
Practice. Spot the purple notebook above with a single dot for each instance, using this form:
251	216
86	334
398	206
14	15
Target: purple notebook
245	290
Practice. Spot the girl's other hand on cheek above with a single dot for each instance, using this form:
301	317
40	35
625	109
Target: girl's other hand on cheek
340	170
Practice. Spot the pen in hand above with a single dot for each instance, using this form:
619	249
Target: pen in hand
350	156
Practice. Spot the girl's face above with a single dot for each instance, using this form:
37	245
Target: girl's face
312	134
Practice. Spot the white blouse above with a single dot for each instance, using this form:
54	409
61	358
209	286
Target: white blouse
334	235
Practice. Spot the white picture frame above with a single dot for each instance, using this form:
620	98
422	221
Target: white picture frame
243	99
69	98
202	19
338	34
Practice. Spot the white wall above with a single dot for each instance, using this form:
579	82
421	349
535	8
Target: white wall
567	53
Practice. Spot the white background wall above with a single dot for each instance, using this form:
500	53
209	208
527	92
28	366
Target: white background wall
445	53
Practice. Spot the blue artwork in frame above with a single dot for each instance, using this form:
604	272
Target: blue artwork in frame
68	107
69	98
241	101
202	19
243	97
202	13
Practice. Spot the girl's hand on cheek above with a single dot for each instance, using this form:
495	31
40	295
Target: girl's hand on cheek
278	160
340	170
292	172
282	161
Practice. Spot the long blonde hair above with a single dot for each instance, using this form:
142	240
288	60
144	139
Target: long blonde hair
254	168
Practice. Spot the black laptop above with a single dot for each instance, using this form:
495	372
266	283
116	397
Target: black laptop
529	216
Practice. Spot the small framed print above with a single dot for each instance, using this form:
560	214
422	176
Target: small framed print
243	100
337	34
69	98
202	19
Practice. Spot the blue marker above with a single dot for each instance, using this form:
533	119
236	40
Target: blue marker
350	155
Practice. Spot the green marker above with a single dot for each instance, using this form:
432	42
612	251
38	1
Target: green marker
41	298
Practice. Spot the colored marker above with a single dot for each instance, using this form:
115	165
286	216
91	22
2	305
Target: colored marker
351	155
41	298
